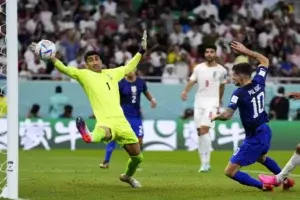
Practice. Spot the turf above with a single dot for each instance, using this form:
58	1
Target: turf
72	175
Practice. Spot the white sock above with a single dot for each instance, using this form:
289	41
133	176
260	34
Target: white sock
200	150
288	168
206	141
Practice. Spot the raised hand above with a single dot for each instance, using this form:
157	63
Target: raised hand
144	41
32	46
239	47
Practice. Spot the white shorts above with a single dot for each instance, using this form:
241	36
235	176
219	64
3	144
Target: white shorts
202	116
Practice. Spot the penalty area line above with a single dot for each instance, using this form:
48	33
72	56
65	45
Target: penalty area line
264	172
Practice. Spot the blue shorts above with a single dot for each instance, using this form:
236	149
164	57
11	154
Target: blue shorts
253	147
137	126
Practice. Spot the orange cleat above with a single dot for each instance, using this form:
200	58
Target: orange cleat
288	184
82	129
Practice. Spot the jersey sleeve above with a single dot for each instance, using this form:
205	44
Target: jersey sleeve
118	73
69	71
194	75
223	78
261	75
145	88
234	100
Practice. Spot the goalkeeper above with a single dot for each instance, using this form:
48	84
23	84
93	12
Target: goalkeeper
102	90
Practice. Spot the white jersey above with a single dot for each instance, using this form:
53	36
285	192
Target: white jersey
209	80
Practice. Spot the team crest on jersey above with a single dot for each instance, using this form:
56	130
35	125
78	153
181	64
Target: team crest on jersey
133	89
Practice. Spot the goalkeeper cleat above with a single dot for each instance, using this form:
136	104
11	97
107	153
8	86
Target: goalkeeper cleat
83	130
104	165
288	184
131	181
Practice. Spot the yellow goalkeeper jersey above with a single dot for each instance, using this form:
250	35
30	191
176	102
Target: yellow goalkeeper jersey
101	88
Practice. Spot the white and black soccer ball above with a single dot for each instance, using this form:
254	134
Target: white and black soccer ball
45	49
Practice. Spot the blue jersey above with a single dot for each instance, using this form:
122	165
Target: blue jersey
250	100
130	96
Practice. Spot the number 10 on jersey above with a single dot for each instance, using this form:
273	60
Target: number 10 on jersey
258	103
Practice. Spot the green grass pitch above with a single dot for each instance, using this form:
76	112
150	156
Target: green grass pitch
75	175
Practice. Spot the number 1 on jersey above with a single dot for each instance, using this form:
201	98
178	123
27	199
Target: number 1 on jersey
108	85
258	103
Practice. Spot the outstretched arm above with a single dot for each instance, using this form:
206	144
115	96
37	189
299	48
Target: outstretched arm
226	115
264	61
69	71
132	64
187	88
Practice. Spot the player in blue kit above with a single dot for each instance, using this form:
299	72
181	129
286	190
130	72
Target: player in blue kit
249	99
131	88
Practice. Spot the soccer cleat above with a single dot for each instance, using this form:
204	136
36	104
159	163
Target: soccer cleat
104	165
269	180
288	184
131	181
268	188
82	129
204	168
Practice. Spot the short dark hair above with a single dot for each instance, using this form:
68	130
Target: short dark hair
242	68
58	89
90	53
211	46
281	90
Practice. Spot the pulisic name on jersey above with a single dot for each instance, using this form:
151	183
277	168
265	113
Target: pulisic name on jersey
254	90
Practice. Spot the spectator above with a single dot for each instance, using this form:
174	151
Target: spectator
57	102
67	114
34	112
280	105
110	7
24	73
188	114
208	7
169	76
3	104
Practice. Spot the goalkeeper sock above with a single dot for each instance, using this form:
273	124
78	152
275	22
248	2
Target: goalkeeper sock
272	165
110	147
98	134
133	164
245	179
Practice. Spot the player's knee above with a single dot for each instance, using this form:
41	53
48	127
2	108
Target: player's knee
204	130
298	149
228	173
140	158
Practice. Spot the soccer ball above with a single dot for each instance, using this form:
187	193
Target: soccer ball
45	49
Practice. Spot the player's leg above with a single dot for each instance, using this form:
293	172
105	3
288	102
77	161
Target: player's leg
100	132
137	126
268	162
282	177
205	139
245	155
197	119
109	150
136	158
128	140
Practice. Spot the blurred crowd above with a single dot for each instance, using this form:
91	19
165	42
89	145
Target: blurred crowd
178	33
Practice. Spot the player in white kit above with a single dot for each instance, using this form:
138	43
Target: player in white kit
211	79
